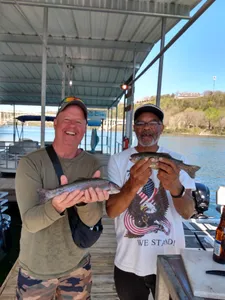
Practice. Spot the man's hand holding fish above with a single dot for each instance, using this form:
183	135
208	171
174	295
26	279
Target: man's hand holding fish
168	175
69	199
139	174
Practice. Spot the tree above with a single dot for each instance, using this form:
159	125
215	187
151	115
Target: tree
212	115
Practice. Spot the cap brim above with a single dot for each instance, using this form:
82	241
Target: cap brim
75	102
151	109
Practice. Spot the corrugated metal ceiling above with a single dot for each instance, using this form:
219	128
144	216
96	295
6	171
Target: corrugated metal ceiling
101	37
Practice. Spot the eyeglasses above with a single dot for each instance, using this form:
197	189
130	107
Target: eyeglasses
151	124
69	99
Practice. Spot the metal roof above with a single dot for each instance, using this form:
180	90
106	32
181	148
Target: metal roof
101	38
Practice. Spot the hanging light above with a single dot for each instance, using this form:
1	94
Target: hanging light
125	86
70	74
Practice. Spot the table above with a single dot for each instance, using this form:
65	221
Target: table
172	281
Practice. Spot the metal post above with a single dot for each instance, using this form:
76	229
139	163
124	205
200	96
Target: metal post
43	78
111	133
107	138
64	72
85	140
14	124
116	129
123	130
102	136
160	72
130	130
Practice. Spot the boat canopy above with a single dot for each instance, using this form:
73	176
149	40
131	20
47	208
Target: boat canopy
26	118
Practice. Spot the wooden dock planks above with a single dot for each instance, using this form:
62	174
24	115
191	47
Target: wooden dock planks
102	262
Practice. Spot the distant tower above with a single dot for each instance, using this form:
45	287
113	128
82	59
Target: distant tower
214	83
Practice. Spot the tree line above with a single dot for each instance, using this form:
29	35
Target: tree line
202	115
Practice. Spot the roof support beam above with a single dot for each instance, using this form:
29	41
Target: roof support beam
89	103
76	42
129	7
44	74
201	10
77	62
55	96
59	82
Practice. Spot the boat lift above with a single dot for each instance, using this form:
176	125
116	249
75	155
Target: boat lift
27	118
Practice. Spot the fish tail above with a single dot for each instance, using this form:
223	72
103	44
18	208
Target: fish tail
43	195
190	169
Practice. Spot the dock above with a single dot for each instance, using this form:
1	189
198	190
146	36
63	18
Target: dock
103	253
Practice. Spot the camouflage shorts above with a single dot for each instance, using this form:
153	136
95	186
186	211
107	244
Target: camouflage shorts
75	286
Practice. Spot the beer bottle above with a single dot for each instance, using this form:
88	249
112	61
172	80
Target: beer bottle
219	244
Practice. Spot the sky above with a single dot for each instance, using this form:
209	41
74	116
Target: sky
193	60
190	63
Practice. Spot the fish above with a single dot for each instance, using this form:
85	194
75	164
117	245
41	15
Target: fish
81	184
190	169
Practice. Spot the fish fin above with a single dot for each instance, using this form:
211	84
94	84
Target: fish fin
190	169
43	195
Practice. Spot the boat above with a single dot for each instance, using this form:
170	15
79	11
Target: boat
12	152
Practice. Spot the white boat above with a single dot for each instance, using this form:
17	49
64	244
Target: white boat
11	152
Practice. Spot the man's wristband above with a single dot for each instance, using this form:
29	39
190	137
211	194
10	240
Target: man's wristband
182	193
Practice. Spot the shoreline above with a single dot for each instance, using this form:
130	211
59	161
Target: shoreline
168	132
194	134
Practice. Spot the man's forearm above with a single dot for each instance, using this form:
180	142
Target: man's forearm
118	203
185	205
40	217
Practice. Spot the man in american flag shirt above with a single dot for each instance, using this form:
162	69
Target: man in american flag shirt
149	209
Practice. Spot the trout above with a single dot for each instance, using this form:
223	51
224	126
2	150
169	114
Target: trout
190	169
82	184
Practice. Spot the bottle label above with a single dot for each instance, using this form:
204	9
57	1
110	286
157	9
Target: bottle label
217	247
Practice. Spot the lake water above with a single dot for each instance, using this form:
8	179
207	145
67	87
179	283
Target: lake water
207	152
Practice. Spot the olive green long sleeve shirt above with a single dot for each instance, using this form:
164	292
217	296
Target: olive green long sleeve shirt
47	249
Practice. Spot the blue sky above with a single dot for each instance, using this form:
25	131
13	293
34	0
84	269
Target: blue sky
190	63
193	60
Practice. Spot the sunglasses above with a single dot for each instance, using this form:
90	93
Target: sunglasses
68	99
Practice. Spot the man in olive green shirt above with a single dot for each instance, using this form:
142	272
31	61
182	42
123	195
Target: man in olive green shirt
51	265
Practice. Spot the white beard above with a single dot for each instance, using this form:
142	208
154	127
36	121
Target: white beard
152	143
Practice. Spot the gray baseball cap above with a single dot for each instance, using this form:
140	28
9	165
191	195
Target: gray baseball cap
72	100
149	108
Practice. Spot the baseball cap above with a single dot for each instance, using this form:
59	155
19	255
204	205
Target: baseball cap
149	108
72	100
